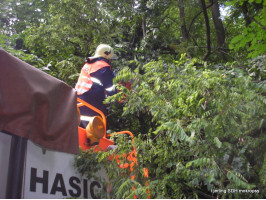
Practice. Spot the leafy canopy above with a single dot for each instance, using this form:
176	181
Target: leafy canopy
205	131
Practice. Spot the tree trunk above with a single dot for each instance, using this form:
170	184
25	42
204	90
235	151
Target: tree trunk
218	24
245	13
144	26
208	32
183	21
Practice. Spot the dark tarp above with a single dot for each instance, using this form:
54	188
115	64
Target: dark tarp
37	106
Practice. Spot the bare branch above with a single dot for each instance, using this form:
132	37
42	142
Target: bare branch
195	17
208	31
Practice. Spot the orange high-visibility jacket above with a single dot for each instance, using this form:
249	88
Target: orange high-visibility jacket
85	81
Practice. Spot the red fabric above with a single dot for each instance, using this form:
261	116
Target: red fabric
37	106
128	86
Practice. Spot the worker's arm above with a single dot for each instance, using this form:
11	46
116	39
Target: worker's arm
105	76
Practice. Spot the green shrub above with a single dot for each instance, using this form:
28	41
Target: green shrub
205	132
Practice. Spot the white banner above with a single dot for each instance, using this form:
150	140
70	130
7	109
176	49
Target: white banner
51	174
5	143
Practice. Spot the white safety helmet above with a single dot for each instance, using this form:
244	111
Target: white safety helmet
105	51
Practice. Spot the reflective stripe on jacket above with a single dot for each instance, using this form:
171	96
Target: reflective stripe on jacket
85	80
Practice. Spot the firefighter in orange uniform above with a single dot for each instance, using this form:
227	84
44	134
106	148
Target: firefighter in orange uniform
96	81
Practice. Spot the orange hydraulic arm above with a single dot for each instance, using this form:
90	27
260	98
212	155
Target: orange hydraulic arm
132	157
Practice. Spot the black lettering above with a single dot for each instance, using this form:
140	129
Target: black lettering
93	184
72	181
34	180
85	187
59	188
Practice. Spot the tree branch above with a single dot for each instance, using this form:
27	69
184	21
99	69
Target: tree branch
195	17
183	22
198	191
260	24
228	55
208	31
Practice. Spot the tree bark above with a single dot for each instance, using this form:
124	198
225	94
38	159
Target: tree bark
183	21
208	31
144	26
218	24
195	17
245	13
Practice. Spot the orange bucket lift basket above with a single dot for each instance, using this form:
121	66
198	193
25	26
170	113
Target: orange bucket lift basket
104	143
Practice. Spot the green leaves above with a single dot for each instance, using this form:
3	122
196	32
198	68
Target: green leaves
217	142
196	129
252	36
201	162
200	119
197	125
238	180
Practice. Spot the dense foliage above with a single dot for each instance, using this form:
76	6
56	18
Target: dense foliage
205	131
197	102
